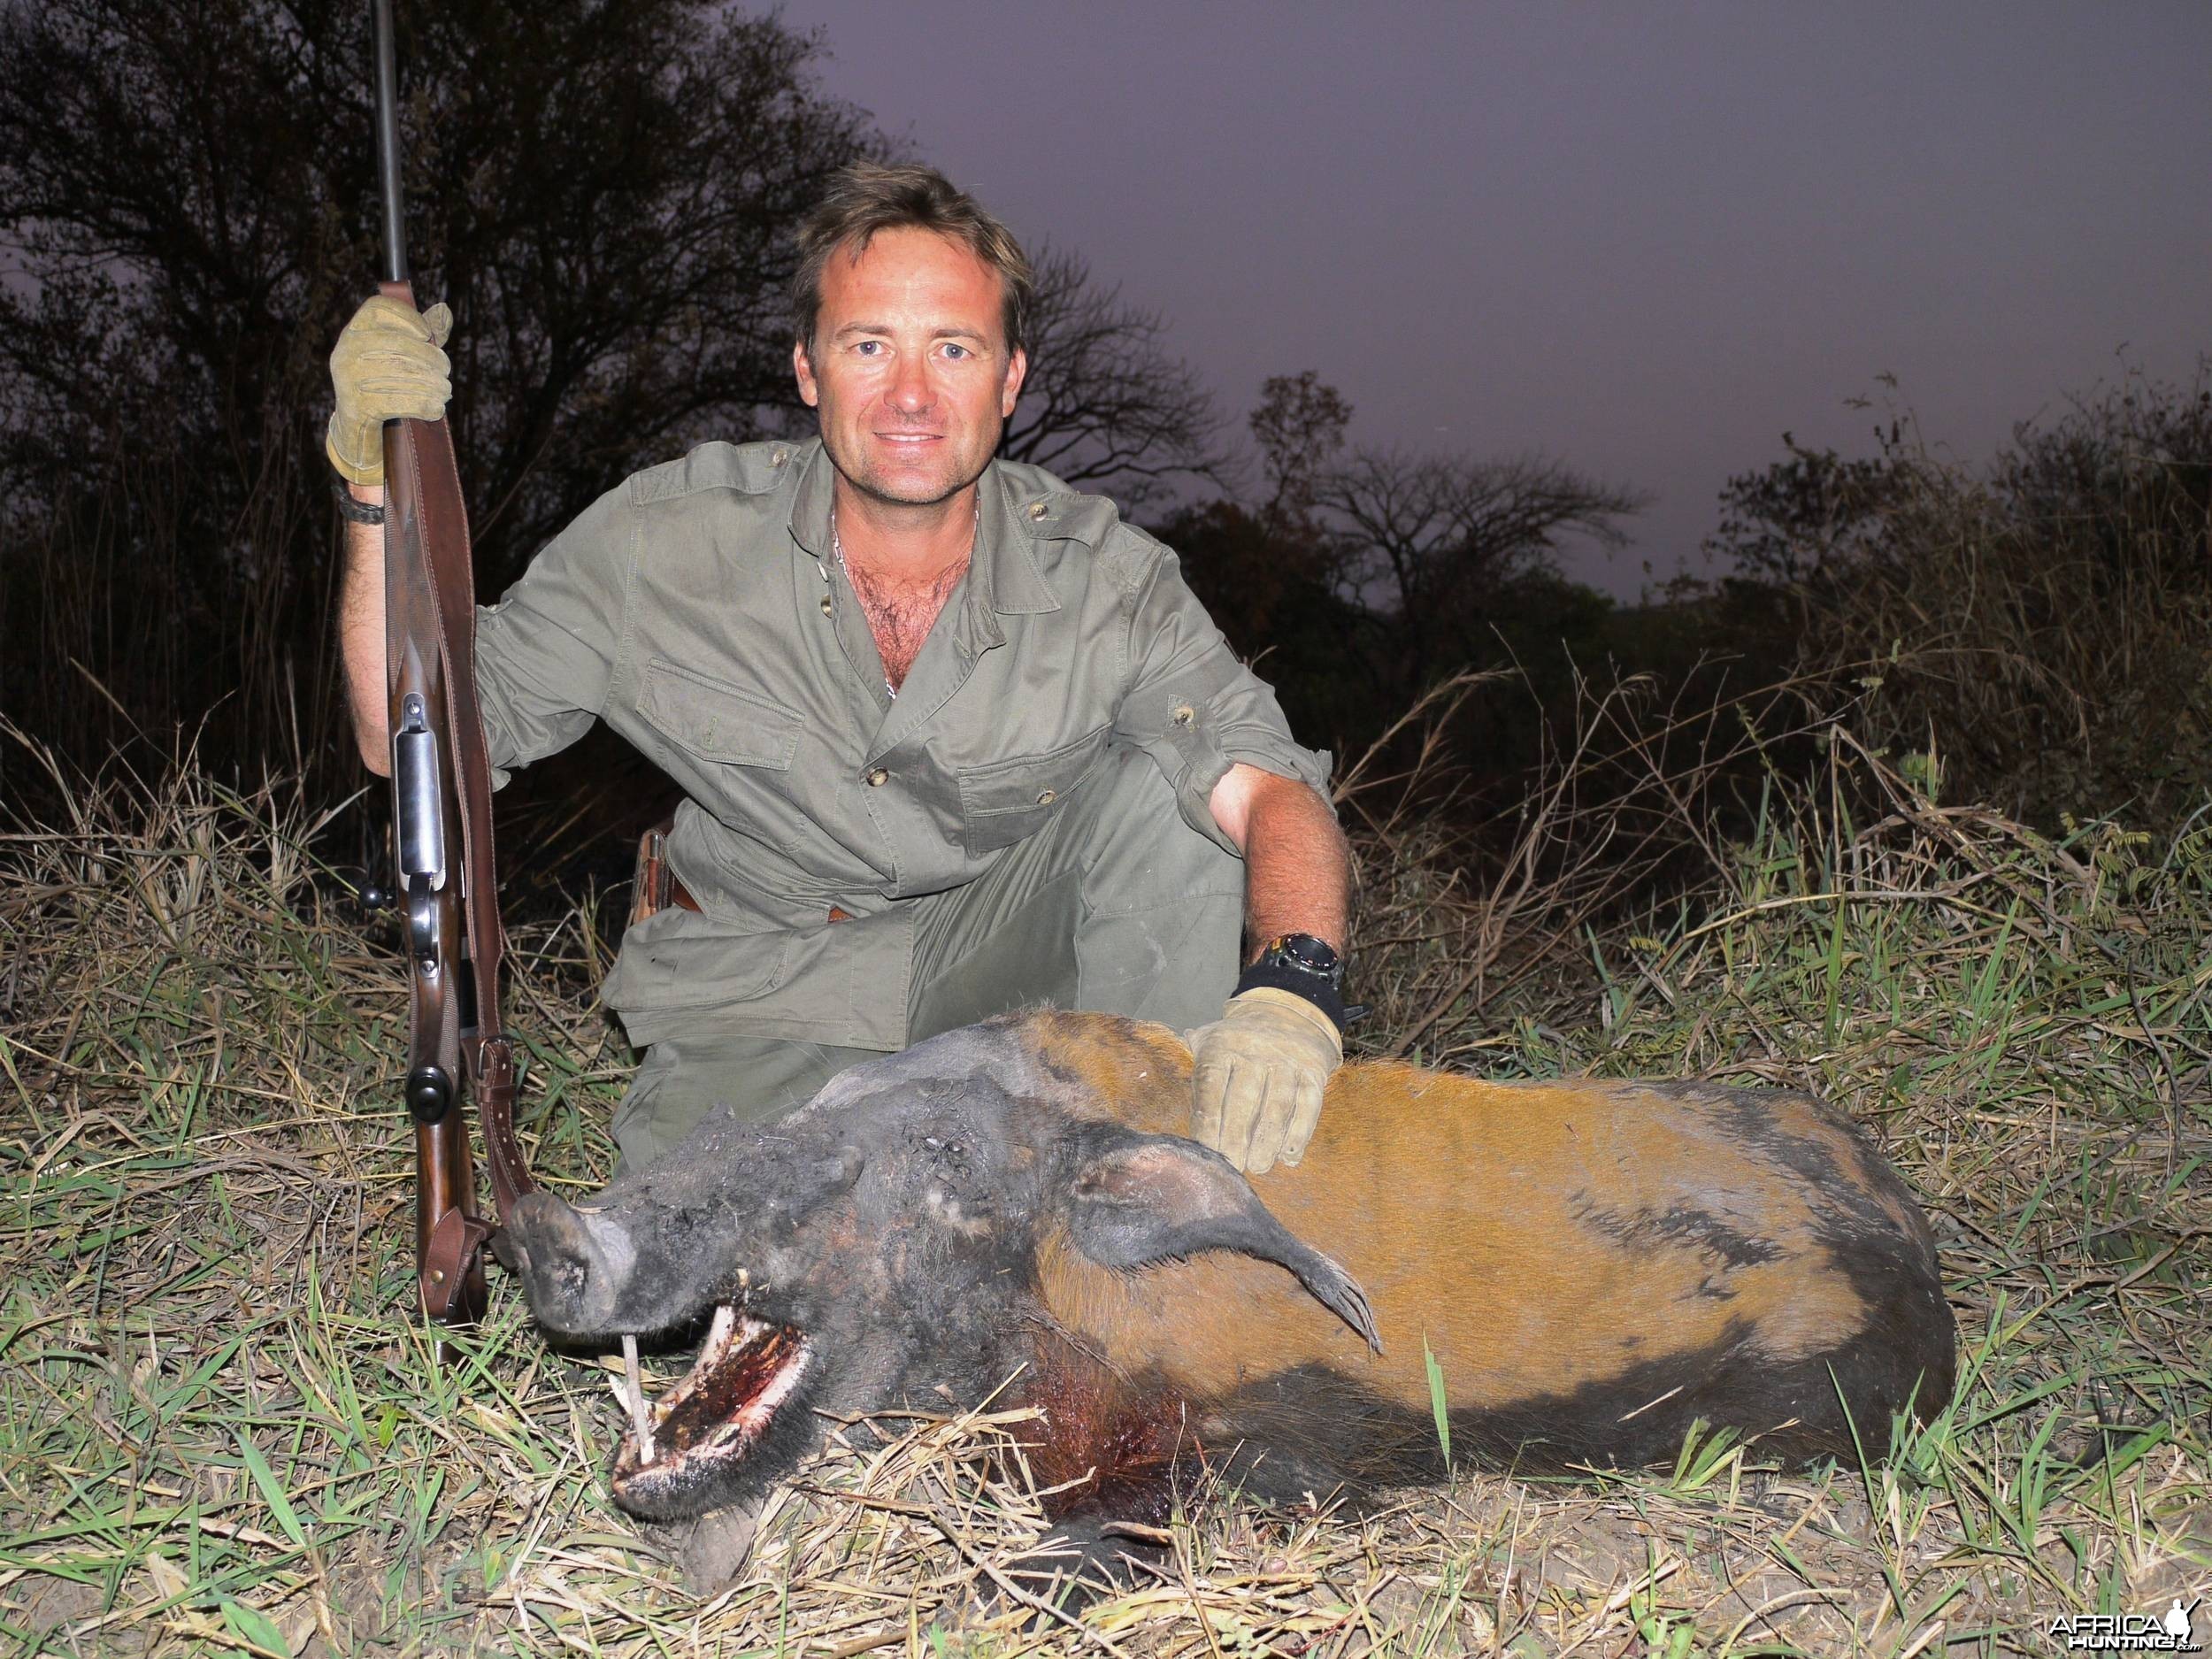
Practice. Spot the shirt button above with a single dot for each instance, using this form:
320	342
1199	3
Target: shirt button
1037	510
1047	797
779	458
826	607
1185	714
877	776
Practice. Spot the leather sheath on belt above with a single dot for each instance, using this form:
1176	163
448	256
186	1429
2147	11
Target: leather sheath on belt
657	885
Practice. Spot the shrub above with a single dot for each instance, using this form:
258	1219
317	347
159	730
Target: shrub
2041	630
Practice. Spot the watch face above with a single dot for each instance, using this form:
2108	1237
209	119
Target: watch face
1305	951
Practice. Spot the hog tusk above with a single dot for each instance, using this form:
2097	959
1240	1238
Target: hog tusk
641	1419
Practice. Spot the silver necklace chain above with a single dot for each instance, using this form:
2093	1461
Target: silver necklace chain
837	546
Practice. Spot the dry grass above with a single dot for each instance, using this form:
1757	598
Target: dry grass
219	1427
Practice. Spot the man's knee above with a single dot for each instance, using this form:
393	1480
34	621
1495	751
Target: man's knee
1127	910
682	1079
1159	919
1137	850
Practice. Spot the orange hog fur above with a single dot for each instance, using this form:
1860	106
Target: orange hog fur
1594	1265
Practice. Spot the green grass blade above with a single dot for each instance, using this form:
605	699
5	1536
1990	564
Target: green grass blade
271	1490
1439	1406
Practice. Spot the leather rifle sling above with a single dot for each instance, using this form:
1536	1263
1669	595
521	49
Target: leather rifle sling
426	532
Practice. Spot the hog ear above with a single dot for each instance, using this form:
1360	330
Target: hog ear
1157	1198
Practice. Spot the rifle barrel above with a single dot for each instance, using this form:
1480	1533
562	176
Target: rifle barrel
388	146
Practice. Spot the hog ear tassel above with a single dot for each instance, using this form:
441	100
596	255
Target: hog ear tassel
633	1397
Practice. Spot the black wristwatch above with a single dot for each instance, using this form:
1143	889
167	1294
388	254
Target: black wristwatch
1304	966
1308	954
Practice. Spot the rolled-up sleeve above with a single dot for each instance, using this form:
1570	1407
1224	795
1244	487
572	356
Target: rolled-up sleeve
1194	708
546	652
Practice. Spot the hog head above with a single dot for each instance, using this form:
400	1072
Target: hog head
878	1245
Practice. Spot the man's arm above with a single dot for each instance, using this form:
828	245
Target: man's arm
361	636
1258	1073
545	652
389	364
1298	871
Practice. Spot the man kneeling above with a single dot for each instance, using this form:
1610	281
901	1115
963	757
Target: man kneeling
954	739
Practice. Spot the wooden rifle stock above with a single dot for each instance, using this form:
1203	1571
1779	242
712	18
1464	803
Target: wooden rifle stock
427	839
441	824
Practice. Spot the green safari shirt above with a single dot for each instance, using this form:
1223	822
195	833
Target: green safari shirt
698	609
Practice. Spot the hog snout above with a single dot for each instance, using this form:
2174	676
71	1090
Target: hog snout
572	1264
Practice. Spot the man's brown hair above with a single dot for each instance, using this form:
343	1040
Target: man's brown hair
866	198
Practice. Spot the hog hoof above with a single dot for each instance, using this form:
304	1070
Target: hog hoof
712	1549
1088	1560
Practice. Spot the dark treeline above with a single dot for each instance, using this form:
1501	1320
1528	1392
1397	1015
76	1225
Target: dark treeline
602	193
606	193
2035	632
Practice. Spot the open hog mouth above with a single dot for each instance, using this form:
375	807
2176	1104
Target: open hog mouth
705	1425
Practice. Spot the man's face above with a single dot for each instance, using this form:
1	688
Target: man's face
909	370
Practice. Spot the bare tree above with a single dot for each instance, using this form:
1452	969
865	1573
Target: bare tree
1437	543
1105	404
1264	570
604	193
1299	425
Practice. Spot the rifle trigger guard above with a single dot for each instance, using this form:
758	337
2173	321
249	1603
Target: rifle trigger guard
423	943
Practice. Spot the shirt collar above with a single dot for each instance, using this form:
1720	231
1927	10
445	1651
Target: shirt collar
1003	579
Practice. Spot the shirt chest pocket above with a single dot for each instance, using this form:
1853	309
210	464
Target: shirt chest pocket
1008	801
715	721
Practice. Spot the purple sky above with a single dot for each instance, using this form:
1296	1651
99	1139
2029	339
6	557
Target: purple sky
1644	240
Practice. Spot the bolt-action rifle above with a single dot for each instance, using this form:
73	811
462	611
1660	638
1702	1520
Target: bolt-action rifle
441	831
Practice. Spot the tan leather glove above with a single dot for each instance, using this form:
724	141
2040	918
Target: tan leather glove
390	364
1258	1076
